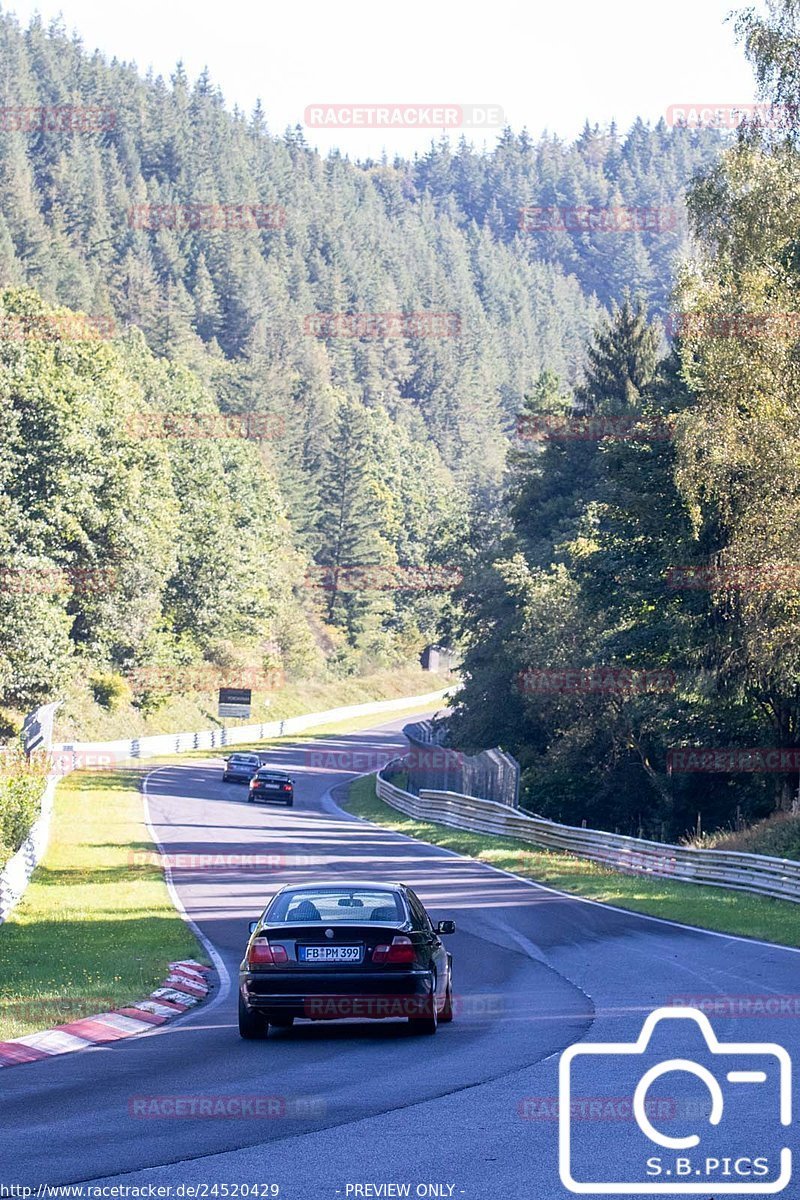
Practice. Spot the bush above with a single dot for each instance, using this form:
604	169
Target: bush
224	654
150	699
10	726
777	836
21	788
111	690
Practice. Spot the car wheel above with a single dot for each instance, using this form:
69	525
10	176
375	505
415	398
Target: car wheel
224	778
447	1011
427	1024
252	1025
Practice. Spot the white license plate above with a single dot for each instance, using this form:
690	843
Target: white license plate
351	954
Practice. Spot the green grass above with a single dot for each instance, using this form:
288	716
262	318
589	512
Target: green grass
778	836
95	929
708	908
81	719
350	725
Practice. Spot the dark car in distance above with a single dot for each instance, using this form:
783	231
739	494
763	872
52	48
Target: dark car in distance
334	950
269	786
240	768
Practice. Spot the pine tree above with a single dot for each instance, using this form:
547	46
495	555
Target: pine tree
621	362
207	313
346	522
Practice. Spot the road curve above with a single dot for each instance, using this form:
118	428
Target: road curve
369	1104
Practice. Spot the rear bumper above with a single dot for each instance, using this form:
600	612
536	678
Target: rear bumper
271	797
334	995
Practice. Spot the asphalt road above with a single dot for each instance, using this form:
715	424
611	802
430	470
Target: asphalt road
354	1107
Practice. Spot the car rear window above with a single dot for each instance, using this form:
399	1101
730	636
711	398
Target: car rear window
329	905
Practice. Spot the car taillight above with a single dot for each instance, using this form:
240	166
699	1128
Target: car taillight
263	955
400	951
287	787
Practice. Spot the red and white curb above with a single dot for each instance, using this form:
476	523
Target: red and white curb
185	986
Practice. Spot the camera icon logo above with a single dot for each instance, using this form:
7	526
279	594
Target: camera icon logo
712	1160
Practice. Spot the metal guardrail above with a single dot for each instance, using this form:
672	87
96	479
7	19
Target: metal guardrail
756	873
492	774
427	733
215	739
15	875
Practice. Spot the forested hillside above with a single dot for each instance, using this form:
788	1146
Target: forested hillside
445	233
214	260
633	613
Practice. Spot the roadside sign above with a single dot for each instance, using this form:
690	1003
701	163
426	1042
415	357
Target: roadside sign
234	702
37	731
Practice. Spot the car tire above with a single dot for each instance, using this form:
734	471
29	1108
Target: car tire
426	1025
447	1011
224	778
252	1025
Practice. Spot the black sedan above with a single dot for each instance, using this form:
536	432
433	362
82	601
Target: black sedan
240	768
271	786
331	950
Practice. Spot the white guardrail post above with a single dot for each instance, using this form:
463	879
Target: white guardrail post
756	873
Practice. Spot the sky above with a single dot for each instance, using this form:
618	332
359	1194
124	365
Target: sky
535	65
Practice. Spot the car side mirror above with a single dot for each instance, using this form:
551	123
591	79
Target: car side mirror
446	927
253	926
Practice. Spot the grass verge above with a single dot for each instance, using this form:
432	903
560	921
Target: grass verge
350	725
95	928
81	719
707	908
